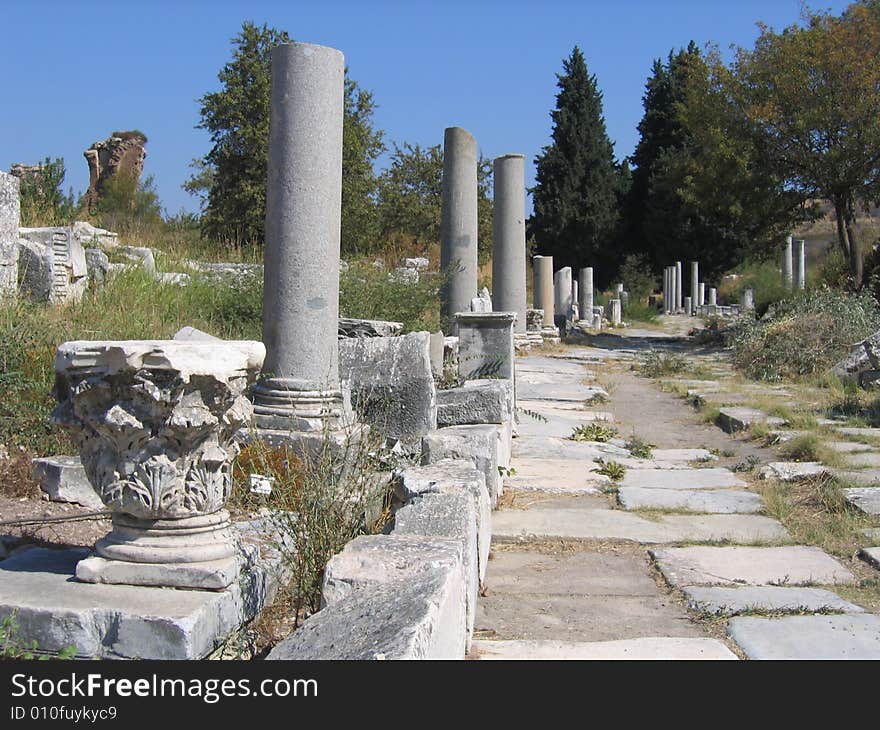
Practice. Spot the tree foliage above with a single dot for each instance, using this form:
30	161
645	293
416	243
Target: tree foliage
231	177
409	199
812	94
43	202
578	182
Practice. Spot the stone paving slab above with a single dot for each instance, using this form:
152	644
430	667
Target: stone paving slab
866	459
740	418
730	601
715	501
556	476
807	637
790	565
556	425
647	648
683	455
549	447
858	431
565	518
872	533
871	555
863	477
708	478
866	499
847	447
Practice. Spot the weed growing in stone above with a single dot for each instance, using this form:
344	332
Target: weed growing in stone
594	431
657	364
613	470
11	646
639	448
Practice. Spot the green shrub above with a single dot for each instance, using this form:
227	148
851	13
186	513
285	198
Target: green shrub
656	364
764	278
805	335
637	277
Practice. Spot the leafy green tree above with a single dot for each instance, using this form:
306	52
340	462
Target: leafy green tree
231	177
578	182
410	197
129	205
42	201
812	95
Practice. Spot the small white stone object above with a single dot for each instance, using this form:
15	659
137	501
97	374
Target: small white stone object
261	484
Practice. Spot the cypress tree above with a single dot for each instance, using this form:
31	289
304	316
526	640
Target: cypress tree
578	181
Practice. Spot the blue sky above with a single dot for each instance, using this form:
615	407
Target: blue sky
72	72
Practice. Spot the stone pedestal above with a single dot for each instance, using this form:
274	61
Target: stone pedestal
544	290
155	422
688	306
616	314
787	268
485	345
509	240
301	392
9	220
713	296
458	222
748	299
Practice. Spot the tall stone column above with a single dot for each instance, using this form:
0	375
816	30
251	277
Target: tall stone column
665	289
787	273
509	239
585	277
679	293
800	264
695	285
303	213
543	287
458	223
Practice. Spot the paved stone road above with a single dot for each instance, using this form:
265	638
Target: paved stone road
586	568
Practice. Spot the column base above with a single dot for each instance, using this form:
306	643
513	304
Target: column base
535	338
288	404
191	552
550	335
521	342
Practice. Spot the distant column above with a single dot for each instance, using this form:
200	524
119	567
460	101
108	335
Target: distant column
695	285
562	292
509	239
586	294
458	222
800	258
702	293
544	294
713	296
679	302
748	299
787	272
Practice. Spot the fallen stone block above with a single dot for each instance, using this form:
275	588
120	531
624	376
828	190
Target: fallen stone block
740	418
807	637
478	444
449	476
140	255
349	327
478	401
64	479
792	471
391	383
418	617
744	599
452	516
871	556
864	358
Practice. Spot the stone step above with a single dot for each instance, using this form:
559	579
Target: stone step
746	599
574	519
807	637
757	566
708	478
740	418
715	501
646	648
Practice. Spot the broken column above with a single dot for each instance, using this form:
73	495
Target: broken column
301	391
562	294
695	285
800	264
616	315
702	294
748	299
688	305
787	272
679	293
509	242
155	423
713	296
485	345
585	276
9	220
545	295
458	223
